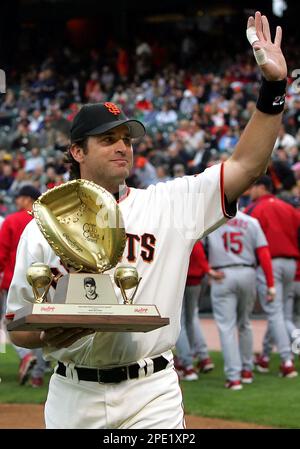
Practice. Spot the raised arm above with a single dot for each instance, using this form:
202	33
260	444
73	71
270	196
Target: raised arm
250	158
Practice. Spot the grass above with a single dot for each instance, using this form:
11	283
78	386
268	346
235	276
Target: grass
269	401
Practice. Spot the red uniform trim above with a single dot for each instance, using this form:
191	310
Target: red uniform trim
223	193
125	195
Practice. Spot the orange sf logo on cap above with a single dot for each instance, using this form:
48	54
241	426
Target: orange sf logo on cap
112	108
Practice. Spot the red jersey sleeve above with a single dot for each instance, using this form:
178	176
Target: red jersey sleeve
264	257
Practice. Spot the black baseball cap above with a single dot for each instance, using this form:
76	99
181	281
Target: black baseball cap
266	181
98	118
29	190
90	281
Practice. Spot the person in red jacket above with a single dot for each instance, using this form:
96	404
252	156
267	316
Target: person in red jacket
280	223
191	342
10	233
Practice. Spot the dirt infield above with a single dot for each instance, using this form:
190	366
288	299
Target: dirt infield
30	416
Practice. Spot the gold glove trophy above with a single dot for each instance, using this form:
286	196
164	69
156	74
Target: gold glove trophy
83	224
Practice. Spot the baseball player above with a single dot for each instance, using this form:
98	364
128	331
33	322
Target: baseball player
191	342
291	313
127	380
31	362
280	223
233	248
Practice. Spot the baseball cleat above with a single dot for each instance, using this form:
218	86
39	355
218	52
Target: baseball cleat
37	382
205	365
287	369
246	376
261	363
189	374
234	385
26	365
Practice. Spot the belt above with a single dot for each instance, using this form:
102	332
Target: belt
114	375
234	265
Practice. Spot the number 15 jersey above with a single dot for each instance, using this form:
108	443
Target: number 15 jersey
235	242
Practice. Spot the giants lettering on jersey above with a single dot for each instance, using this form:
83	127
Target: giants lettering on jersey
145	242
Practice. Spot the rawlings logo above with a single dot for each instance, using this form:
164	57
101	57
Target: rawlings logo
112	108
48	309
141	309
90	232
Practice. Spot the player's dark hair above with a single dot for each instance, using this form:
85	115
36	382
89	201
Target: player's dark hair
265	181
69	159
89	281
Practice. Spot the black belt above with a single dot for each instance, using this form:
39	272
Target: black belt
113	375
234	265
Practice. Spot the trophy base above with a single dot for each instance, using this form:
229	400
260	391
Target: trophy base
104	318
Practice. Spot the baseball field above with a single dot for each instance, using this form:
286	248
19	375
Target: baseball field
269	402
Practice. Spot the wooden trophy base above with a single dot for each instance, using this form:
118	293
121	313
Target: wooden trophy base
102	318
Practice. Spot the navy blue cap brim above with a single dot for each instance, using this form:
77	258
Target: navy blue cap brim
135	127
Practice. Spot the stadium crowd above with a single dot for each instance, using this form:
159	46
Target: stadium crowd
194	116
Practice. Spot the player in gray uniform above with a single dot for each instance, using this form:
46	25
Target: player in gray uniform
296	297
233	249
280	223
291	312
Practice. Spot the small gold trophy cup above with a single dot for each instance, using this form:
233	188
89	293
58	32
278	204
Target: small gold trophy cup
126	278
83	224
39	276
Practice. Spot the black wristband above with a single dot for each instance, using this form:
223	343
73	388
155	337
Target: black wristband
271	96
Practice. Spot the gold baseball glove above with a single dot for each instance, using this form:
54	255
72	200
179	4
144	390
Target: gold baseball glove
83	224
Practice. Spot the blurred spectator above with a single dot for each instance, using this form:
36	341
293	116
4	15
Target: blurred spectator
36	122
23	138
52	179
21	179
188	103
9	103
228	141
284	140
145	172
34	161
162	173
167	115
178	170
6	176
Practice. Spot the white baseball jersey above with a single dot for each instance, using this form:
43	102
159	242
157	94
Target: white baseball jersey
162	224
235	242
